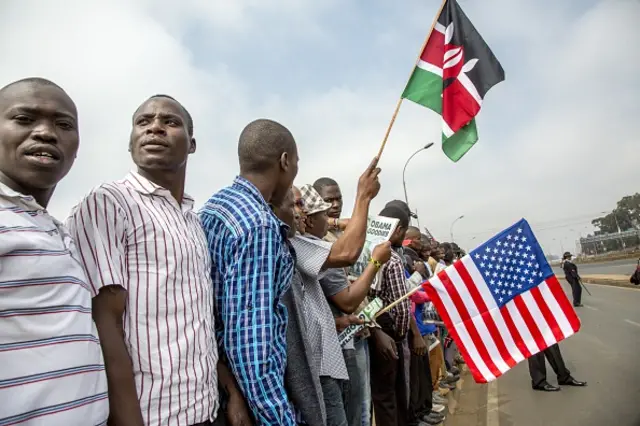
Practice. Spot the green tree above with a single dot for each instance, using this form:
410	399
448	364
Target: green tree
625	216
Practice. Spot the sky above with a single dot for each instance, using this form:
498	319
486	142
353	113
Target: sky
557	143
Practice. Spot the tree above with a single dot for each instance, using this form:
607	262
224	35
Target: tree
624	217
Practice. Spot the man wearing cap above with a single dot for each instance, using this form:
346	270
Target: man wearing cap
316	262
571	274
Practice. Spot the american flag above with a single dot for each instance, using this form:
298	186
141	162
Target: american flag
502	303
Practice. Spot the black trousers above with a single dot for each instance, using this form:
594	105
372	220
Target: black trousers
421	388
538	369
388	390
576	291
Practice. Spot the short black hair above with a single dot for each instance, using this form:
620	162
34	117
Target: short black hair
31	80
262	143
323	182
38	81
394	212
184	110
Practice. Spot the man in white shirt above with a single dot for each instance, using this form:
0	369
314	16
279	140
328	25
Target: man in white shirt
51	366
147	260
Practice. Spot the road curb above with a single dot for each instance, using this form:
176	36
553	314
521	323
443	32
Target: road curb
608	282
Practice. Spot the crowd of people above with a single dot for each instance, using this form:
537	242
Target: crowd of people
140	311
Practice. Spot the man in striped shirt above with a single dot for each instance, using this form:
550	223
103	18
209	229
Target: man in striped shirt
51	366
389	388
253	266
147	262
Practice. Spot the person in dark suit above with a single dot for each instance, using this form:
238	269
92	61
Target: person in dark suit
572	276
538	370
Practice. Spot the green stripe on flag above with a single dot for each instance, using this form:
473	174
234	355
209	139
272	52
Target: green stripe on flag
456	146
425	88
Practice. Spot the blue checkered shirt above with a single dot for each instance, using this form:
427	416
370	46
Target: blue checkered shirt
252	268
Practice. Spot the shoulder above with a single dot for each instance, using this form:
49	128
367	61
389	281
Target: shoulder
237	212
111	194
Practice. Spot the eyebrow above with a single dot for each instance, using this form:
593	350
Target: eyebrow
160	114
39	110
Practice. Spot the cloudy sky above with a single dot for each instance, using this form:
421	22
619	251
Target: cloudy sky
558	143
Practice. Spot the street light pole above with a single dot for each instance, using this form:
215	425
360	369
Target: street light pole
404	182
451	228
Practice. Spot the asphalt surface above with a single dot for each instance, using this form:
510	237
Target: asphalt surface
605	353
616	267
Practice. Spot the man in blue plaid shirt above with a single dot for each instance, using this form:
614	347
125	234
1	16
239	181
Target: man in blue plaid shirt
252	268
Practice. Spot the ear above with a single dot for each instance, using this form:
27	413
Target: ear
284	161
192	146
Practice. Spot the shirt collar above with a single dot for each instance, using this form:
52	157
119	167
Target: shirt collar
6	191
145	186
242	184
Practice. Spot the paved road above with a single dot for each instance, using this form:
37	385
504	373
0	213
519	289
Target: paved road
606	353
620	267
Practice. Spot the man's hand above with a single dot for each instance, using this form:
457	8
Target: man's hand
237	411
368	184
347	320
420	267
382	252
386	345
419	346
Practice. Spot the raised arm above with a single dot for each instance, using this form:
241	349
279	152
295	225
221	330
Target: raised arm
346	250
351	297
253	340
98	226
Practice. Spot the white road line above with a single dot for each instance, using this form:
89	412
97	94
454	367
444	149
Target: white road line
493	414
591	307
632	322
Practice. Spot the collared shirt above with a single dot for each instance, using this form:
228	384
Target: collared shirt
392	288
311	254
252	268
51	365
302	379
133	233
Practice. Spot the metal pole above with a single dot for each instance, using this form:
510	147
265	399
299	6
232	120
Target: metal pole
451	228
404	170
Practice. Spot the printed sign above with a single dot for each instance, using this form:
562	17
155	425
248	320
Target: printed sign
379	230
367	314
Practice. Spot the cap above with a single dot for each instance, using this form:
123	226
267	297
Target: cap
313	202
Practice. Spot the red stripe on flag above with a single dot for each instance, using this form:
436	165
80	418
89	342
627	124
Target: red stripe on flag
531	324
444	314
433	52
468	323
486	315
547	314
563	301
515	334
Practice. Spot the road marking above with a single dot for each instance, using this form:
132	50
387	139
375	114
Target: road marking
632	322
591	307
493	414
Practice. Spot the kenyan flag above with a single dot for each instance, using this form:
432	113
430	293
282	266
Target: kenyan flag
455	71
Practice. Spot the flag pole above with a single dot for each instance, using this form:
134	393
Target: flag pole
395	303
395	112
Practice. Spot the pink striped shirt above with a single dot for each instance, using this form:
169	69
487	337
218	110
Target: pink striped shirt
134	234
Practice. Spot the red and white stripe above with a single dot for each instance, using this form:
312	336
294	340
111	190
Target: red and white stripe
133	233
493	339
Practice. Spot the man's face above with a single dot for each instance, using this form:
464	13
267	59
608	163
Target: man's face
300	216
38	135
332	195
398	235
285	213
159	137
318	224
426	252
